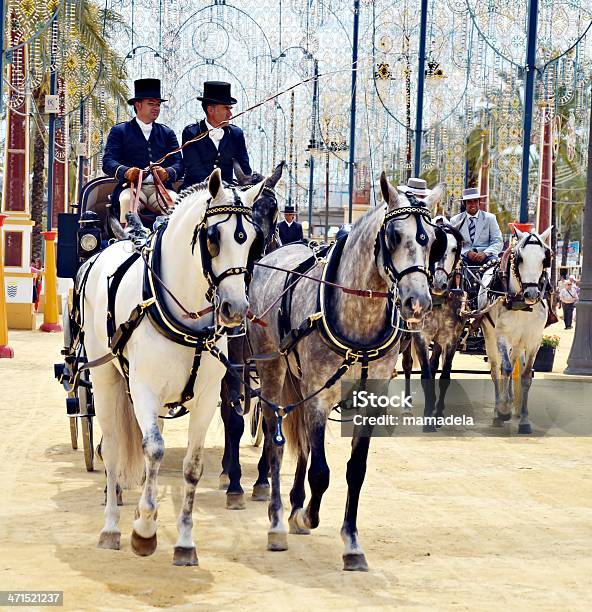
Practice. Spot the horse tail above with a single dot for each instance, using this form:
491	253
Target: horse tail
294	425
131	464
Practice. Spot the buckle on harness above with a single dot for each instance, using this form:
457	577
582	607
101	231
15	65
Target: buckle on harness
147	303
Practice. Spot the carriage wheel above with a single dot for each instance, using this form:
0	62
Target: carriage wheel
74	432
85	398
257	424
86	425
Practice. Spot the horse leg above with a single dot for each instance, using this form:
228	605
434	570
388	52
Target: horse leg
353	555
444	381
318	472
225	411
427	381
200	416
111	388
407	363
146	406
235	496
435	359
272	376
524	427
261	486
504	405
297	496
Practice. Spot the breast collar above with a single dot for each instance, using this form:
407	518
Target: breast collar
158	312
385	340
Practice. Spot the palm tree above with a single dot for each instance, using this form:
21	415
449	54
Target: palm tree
95	27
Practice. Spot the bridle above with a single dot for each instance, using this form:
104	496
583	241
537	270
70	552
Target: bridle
421	238
208	237
514	266
455	272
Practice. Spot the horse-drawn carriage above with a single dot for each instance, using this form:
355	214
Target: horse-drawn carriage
83	233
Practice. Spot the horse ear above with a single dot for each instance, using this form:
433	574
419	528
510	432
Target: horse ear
432	202
241	177
215	183
545	235
389	193
253	193
277	175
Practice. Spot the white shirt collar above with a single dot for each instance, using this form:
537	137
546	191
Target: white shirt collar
288	223
145	127
216	134
474	216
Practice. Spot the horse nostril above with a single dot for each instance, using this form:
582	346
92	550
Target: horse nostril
225	310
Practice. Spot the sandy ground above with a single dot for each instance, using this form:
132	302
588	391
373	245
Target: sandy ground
484	523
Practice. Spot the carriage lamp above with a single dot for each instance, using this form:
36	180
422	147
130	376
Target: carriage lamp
89	235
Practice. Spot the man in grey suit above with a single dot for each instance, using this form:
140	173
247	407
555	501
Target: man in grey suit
482	236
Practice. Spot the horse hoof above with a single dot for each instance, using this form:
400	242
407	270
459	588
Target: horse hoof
223	482
505	417
110	540
524	428
184	556
429	429
235	501
355	562
277	540
261	492
298	524
497	422
143	547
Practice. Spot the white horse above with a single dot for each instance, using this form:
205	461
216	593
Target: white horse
210	229
513	328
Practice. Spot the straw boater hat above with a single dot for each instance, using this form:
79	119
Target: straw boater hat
416	186
471	193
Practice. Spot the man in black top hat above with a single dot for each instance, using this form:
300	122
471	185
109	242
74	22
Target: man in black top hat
134	145
290	230
223	143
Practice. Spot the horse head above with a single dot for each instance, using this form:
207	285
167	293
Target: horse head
411	242
265	207
228	240
444	266
531	258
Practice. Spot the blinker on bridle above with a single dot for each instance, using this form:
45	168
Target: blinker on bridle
417	209
209	240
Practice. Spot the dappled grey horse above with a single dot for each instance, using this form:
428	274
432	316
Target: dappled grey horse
386	252
442	326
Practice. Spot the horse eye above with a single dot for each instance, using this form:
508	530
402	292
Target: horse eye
453	250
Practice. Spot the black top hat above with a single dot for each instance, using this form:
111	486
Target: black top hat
146	88
289	210
217	92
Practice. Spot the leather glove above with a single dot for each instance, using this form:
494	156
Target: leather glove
163	175
132	175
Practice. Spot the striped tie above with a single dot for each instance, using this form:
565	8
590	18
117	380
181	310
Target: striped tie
472	229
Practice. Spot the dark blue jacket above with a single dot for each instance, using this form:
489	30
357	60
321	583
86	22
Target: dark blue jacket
127	147
201	157
290	233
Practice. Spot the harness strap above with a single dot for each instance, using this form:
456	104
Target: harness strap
136	189
113	283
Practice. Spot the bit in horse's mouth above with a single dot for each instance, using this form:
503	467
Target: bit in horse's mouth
413	323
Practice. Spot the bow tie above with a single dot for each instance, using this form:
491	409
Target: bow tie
216	134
